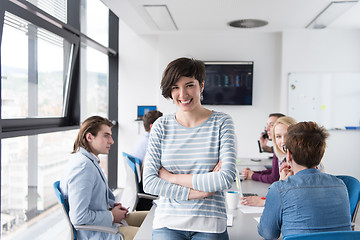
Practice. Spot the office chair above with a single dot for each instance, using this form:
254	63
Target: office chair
343	235
353	187
73	229
137	199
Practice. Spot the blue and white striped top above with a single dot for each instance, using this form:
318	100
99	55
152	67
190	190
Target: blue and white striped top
196	150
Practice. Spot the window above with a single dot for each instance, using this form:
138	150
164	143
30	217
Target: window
95	22
95	64
94	83
41	108
56	8
30	165
33	81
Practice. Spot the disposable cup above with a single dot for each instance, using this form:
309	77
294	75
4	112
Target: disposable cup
232	199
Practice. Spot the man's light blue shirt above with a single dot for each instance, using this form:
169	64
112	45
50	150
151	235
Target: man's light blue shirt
140	148
85	188
309	201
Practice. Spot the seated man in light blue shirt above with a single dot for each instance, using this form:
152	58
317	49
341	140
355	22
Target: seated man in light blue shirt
309	201
85	187
139	149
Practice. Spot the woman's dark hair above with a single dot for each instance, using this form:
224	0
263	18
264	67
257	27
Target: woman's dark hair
306	142
181	67
90	125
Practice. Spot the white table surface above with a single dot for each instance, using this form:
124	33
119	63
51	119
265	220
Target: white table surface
253	165
244	225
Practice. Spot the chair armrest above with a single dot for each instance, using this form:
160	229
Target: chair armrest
147	196
100	229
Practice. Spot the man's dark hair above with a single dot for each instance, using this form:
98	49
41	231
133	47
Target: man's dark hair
150	117
278	115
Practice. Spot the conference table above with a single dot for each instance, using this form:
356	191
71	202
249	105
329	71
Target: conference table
255	164
244	225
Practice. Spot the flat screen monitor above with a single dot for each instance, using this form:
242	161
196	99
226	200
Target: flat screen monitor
142	110
228	83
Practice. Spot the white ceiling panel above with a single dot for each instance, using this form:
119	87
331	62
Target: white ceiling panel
214	15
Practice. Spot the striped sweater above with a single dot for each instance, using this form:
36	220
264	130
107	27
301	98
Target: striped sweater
196	151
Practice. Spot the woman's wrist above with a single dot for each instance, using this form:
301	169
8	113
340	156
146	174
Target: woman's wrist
249	175
173	178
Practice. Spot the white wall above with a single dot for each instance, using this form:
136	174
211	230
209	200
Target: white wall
262	48
342	156
319	51
326	51
138	74
143	59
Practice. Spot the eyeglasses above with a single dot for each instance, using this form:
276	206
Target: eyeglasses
284	148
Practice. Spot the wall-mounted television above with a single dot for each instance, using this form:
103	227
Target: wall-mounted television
228	83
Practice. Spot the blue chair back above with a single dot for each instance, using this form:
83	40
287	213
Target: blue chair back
64	205
135	165
353	187
141	201
338	235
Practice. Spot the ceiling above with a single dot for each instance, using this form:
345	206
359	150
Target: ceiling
193	16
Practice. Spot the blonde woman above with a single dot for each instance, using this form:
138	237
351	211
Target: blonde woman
281	129
279	132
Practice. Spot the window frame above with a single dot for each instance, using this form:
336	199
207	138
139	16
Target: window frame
70	31
28	126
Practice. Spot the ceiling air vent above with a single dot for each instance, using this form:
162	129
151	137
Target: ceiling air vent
248	23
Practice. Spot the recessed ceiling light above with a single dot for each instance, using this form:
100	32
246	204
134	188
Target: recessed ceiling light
161	15
248	23
330	13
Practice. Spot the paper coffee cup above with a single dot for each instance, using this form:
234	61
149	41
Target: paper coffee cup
232	199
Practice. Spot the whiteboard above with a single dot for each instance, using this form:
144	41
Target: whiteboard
330	99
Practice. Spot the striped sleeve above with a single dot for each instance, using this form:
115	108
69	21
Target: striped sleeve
218	181
152	183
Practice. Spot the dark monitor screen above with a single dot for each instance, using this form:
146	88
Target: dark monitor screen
228	83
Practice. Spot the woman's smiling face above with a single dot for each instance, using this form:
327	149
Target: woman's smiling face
186	93
280	131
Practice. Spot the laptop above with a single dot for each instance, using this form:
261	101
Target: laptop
238	188
142	110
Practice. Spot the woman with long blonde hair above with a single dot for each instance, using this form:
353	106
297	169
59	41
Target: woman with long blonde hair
279	132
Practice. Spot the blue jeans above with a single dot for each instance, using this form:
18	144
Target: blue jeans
167	234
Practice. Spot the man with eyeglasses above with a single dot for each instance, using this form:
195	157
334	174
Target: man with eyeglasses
309	201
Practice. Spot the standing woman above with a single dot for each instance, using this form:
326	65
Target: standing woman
183	150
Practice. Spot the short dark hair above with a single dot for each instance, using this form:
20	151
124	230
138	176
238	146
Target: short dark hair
306	142
278	115
181	67
150	117
90	125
